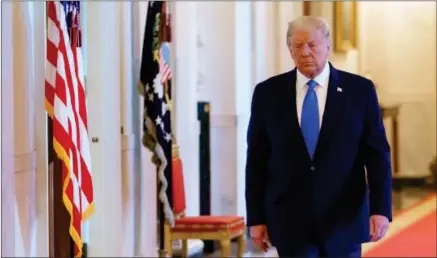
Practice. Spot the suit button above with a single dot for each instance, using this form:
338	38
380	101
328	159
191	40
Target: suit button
312	168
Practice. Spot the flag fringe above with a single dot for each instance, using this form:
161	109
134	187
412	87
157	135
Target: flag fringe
150	141
140	88
56	12
62	155
158	152
164	184
49	108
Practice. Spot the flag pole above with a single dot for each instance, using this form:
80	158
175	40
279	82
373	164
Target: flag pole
162	220
162	251
50	169
60	241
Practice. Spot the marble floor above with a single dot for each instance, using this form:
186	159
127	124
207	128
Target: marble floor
402	199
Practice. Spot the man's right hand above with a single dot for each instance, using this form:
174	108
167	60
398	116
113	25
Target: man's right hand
260	236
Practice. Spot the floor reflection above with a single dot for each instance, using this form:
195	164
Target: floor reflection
407	197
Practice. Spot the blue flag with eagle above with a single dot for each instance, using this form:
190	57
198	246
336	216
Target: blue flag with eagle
155	87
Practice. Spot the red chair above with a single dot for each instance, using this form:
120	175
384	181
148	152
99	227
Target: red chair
218	228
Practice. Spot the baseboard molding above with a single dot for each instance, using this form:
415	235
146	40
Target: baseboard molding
25	161
195	249
85	250
400	182
403	97
223	121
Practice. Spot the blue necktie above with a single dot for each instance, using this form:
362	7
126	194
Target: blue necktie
310	118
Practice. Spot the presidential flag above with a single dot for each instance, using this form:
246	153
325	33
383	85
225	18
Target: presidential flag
155	86
66	105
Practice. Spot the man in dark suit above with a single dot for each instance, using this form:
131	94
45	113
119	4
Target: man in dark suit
318	173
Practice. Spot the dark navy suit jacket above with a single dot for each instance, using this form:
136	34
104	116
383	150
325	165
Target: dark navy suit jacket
332	196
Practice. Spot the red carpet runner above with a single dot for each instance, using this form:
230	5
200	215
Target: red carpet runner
417	240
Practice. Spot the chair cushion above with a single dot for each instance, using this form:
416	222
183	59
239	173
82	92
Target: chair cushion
209	224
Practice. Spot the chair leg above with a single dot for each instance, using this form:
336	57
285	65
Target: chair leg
184	248
241	240
226	247
168	245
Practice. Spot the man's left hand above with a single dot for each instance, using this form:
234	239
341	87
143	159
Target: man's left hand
378	227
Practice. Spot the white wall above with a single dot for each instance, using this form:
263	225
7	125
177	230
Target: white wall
398	51
243	93
226	61
23	59
217	85
286	11
40	129
113	221
108	84
185	68
147	240
344	61
185	80
233	55
7	132
23	130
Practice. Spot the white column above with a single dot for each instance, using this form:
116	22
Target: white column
271	23
227	81
185	98
147	241
261	52
266	46
287	11
243	92
226	61
147	229
218	87
40	130
236	53
186	126
129	141
7	123
24	150
103	83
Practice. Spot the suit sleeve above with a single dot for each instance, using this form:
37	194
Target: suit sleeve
256	164
377	158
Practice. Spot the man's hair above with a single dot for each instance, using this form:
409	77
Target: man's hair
306	23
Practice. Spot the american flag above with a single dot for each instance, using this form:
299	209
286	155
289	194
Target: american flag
164	63
155	86
66	105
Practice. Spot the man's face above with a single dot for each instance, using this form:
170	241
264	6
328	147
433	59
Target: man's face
310	51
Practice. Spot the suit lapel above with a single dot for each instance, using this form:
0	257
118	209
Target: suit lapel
292	121
332	107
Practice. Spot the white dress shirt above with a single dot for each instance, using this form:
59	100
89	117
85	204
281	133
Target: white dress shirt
321	91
